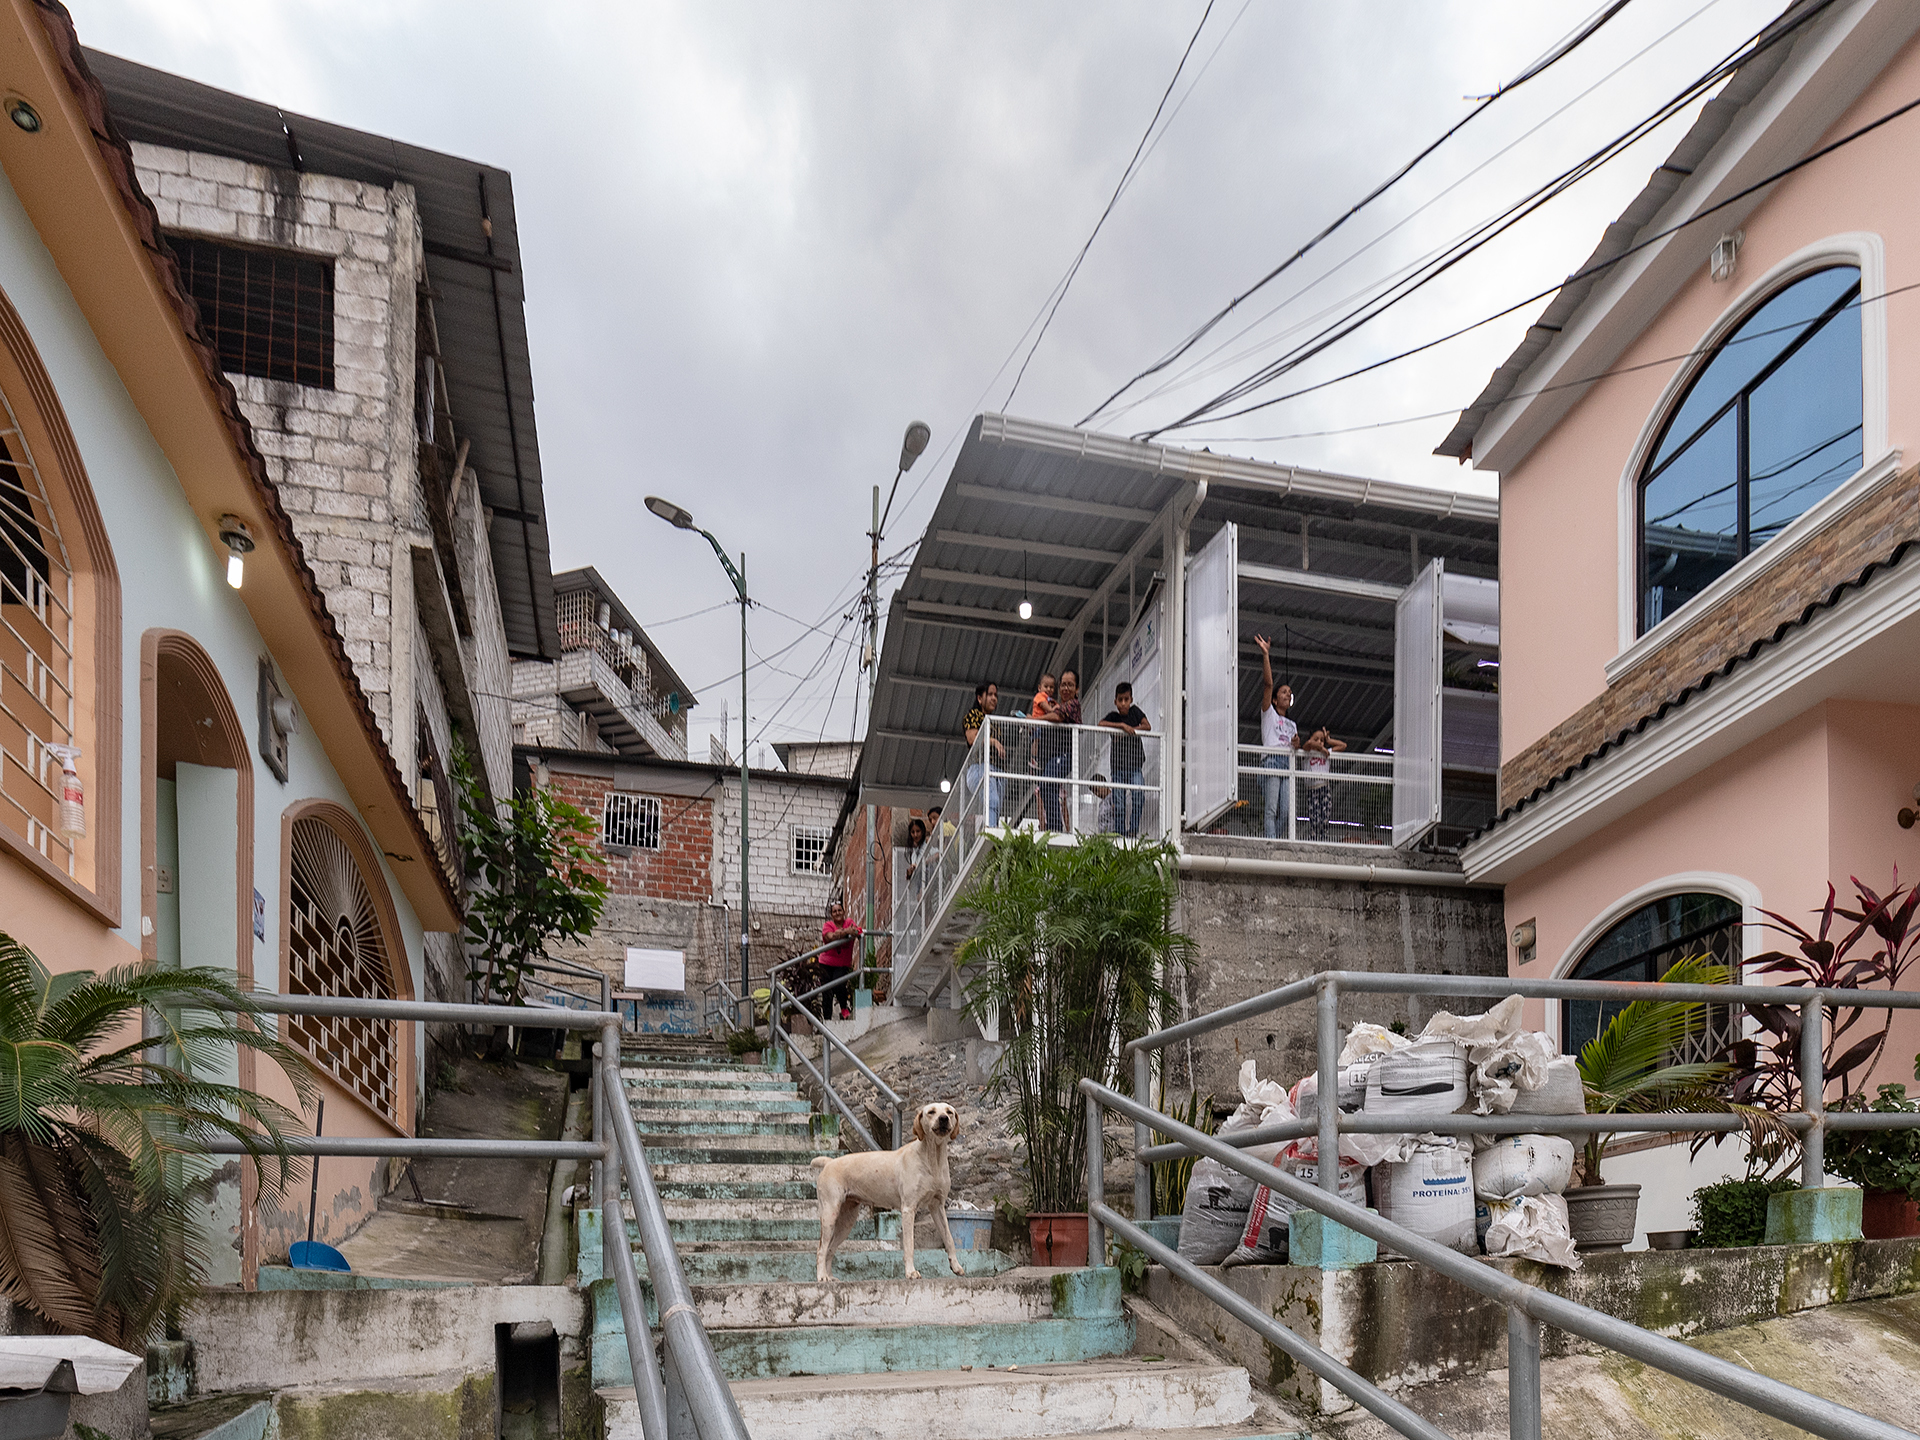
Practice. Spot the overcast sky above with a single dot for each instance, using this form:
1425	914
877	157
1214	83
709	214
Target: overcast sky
761	238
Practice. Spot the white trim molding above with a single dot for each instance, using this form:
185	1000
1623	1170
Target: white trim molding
1761	695
1867	252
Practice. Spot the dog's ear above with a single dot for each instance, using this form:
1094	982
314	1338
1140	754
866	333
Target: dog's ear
954	1133
919	1125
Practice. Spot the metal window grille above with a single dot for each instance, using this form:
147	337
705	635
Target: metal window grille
268	313
36	651
335	947
631	821
810	850
1674	928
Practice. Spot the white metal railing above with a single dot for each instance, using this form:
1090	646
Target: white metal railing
1072	780
1349	802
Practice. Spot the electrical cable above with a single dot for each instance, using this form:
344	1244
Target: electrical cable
1206	364
1519	211
1581	274
1060	291
1540	66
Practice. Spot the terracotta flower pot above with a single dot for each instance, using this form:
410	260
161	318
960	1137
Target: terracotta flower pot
1602	1217
1059	1238
1888	1215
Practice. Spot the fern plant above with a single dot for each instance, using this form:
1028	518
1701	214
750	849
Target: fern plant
98	1126
1074	945
1626	1068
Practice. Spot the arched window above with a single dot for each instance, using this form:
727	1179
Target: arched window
1643	946
59	640
1769	426
341	940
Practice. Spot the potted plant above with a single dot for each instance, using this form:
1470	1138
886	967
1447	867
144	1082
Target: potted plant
1074	946
1884	1163
1625	1069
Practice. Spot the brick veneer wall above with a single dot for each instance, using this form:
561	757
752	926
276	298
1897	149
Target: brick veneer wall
1871	531
681	869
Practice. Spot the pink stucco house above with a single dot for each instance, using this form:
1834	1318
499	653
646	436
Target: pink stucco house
1710	542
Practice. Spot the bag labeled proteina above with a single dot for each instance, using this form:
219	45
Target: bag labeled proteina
1430	1193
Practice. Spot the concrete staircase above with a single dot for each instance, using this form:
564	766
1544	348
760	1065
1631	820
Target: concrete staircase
999	1353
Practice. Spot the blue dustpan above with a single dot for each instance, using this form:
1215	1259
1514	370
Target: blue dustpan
310	1254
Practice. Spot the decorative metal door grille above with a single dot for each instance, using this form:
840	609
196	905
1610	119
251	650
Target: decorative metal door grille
335	947
36	651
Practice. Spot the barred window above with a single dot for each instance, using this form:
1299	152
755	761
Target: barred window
810	850
632	822
268	313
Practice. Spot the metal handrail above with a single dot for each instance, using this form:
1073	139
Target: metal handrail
1528	1306
775	1009
561	967
689	1353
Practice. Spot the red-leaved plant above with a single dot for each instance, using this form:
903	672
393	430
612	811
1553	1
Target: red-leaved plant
1877	948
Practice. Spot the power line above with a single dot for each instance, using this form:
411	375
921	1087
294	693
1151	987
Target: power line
1060	291
1565	48
1593	269
1484	234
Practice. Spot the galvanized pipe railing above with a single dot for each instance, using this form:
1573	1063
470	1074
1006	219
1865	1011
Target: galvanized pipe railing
616	1146
1528	1306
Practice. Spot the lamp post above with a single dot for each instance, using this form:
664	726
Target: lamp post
681	519
911	445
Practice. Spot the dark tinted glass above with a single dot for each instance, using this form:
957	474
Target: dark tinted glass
1790	377
1644	946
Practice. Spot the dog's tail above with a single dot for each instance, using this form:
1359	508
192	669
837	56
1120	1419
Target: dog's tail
820	1161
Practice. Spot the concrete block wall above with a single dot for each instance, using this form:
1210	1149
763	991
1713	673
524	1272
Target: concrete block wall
489	667
775	808
1258	932
342	459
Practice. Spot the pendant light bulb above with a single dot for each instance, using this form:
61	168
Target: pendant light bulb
239	540
1026	609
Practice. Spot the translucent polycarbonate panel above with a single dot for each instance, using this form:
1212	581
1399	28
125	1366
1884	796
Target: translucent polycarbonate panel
1416	707
1213	678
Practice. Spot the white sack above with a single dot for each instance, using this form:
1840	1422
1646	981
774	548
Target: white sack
1352	1084
1428	1077
1430	1193
1533	1227
1517	1165
1369	1039
1506	1058
1218	1196
1561	1093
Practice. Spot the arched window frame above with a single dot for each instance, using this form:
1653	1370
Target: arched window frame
54	457
366	857
1862	249
1734	887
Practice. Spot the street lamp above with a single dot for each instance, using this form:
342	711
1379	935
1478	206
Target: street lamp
682	519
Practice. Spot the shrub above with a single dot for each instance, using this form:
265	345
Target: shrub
1879	1159
1734	1212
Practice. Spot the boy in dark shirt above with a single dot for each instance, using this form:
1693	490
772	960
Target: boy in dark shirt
1129	759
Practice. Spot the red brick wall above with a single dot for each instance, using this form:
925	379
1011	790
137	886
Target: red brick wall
681	869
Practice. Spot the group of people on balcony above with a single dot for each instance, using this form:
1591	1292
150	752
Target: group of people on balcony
1118	802
1281	742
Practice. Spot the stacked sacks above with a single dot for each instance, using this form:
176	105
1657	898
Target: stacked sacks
1519	1180
1219	1198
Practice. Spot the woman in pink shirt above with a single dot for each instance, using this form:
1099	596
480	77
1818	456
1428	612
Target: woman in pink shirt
839	961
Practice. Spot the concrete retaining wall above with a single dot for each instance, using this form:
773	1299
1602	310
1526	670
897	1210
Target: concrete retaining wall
361	1339
1401	1325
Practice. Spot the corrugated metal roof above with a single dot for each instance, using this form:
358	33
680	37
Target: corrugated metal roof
1052	512
1715	120
479	300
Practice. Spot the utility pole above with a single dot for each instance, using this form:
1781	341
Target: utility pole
911	445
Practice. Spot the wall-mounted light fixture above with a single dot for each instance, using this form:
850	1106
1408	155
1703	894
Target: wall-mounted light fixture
23	115
239	541
1908	815
1726	255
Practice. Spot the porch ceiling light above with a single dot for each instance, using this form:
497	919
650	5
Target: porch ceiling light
23	115
946	786
239	542
671	513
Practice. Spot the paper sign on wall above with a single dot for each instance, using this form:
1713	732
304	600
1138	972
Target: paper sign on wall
656	969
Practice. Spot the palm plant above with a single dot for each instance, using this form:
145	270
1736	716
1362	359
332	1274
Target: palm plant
1074	945
103	1105
1627	1068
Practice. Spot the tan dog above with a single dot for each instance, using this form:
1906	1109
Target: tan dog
914	1175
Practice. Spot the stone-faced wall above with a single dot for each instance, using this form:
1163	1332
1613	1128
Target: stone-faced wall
1258	932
